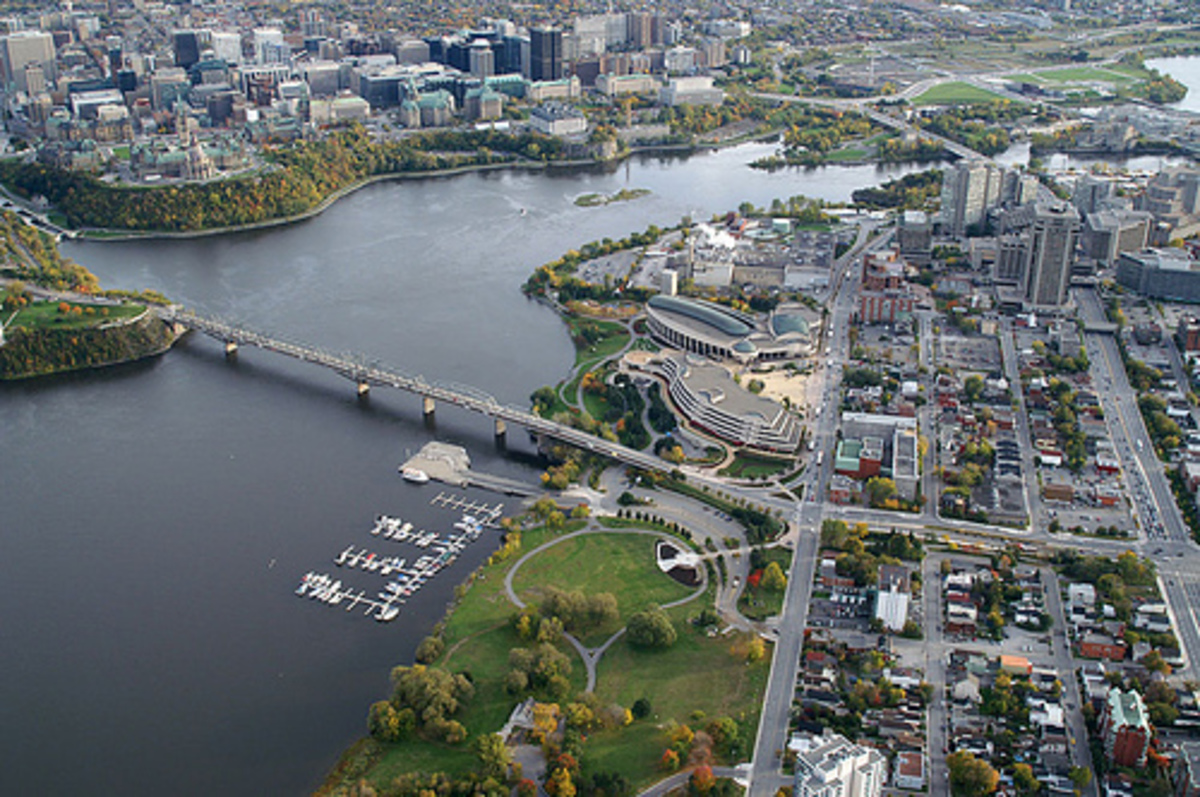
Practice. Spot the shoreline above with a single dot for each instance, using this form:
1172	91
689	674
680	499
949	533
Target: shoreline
120	236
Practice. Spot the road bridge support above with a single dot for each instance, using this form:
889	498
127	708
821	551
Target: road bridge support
427	406
231	349
364	388
501	427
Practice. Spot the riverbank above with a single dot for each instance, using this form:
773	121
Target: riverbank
29	353
112	235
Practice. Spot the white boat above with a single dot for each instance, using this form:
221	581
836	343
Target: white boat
415	475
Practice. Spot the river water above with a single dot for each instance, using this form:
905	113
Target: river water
157	517
1185	69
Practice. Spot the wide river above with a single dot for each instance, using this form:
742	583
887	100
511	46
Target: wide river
157	517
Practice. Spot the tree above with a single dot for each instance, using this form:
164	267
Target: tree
650	628
702	779
494	755
641	708
1024	780
1080	776
560	784
970	776
773	579
388	725
879	489
430	648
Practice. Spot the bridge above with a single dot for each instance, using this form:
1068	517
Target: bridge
862	106
366	376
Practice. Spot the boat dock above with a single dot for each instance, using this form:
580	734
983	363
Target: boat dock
323	587
442	549
488	515
451	465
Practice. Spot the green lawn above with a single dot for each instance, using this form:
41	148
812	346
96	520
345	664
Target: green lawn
121	153
749	466
955	92
45	315
1085	74
587	357
676	681
622	564
849	154
1027	77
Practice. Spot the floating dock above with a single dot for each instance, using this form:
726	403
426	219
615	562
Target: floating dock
488	515
443	549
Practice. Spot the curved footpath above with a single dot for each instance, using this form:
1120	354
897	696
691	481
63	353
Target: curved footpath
591	656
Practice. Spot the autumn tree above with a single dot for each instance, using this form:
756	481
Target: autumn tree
773	579
494	755
970	776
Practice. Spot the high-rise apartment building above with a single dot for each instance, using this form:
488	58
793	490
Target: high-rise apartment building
1052	241
969	190
829	765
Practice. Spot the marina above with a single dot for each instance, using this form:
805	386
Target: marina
406	578
487	515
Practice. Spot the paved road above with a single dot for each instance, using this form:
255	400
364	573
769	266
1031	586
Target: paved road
935	674
766	774
1077	746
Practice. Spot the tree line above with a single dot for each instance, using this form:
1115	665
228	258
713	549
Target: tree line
299	177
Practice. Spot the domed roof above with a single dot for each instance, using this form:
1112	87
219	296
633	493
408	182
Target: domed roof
789	324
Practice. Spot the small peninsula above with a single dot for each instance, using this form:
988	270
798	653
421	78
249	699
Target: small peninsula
56	318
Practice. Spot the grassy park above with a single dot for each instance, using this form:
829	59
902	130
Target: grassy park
49	315
955	93
678	682
478	635
597	563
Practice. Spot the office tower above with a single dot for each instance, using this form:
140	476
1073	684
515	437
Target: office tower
1052	242
483	61
26	48
186	44
227	46
545	54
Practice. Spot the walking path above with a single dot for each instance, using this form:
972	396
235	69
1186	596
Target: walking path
591	656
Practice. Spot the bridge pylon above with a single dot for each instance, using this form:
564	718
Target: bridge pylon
231	349
500	426
364	388
428	406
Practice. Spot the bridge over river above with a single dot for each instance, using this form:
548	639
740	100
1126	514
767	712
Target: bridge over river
367	376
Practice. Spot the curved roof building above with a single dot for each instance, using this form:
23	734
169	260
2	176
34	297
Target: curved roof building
716	331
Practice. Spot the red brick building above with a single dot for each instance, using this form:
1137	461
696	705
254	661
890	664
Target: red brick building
1125	729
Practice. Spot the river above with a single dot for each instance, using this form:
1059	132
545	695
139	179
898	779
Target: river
158	516
1185	69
